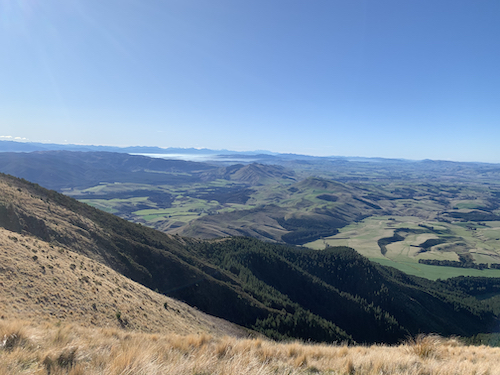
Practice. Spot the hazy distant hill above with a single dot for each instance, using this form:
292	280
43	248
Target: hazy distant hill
13	146
62	169
252	174
278	290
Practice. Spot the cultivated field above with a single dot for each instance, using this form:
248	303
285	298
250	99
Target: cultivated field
75	350
482	242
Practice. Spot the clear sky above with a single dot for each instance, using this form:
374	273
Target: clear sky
411	79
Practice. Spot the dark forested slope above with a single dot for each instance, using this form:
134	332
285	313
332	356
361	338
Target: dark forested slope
369	301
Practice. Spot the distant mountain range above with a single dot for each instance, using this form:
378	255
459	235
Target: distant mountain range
12	146
62	169
261	156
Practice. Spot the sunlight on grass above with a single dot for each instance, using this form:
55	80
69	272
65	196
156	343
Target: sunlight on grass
72	349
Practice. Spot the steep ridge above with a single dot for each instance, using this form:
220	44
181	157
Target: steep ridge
414	302
335	295
42	281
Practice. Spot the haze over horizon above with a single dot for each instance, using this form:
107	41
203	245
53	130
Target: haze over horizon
412	80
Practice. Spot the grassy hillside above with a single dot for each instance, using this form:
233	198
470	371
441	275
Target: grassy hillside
284	292
47	282
291	213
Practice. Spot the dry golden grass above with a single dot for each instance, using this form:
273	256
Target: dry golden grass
73	349
44	282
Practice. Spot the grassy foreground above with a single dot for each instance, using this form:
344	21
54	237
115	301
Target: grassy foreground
72	349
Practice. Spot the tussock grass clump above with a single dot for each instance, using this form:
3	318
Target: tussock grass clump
57	349
425	346
66	359
12	335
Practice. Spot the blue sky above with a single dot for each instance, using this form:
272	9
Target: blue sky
409	79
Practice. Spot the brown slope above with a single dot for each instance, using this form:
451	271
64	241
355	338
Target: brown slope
40	281
318	183
261	223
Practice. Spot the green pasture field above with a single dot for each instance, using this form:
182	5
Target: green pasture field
469	204
363	236
483	243
435	272
183	208
113	205
101	204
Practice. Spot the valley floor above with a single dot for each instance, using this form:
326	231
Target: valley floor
27	348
